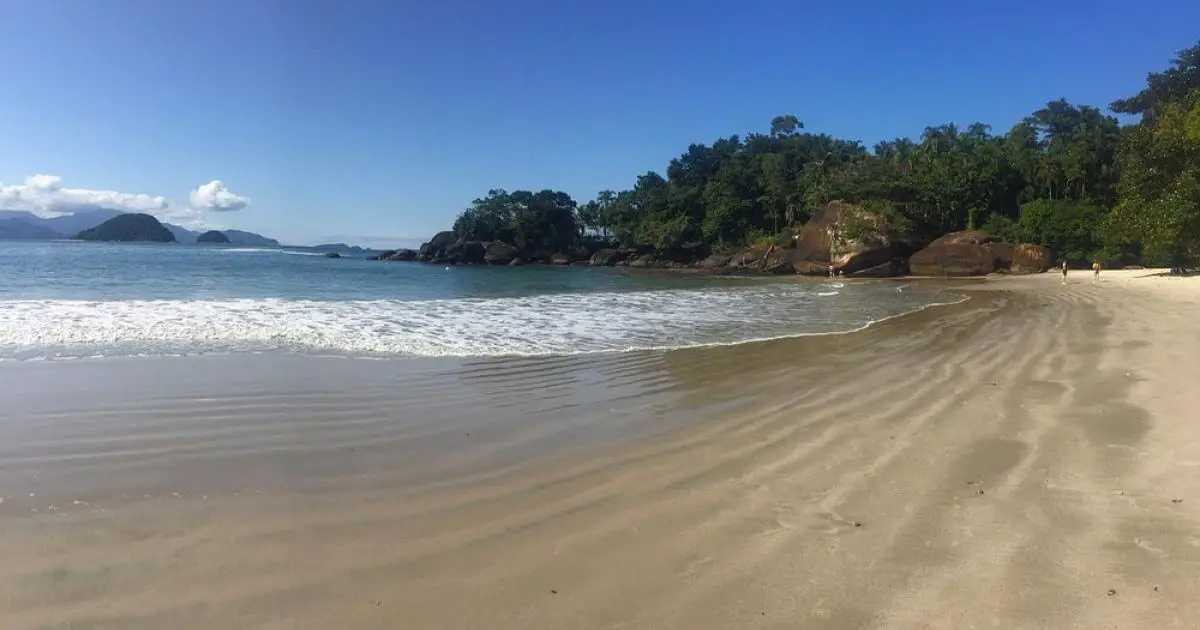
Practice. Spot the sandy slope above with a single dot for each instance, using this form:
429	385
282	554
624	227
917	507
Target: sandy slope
1012	462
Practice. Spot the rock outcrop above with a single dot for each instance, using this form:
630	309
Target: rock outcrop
560	259
850	239
964	253
644	261
133	227
767	259
1002	254
401	255
499	253
1029	258
714	261
437	246
608	257
952	259
965	237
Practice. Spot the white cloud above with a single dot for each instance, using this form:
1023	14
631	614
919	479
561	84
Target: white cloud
215	197
45	196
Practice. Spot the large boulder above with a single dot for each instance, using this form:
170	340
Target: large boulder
437	247
815	240
560	259
848	238
768	259
644	261
890	269
608	257
474	253
750	258
953	259
442	240
400	255
499	253
1029	258
715	261
966	237
449	255
1002	254
855	260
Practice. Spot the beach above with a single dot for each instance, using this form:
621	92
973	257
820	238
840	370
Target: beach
1027	458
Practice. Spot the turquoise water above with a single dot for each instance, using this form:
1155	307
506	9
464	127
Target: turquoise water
78	300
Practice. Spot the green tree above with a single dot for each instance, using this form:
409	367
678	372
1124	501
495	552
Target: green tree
1160	182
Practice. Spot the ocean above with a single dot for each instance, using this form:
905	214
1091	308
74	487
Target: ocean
241	434
68	300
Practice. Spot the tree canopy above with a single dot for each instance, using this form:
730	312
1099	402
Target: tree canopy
1053	178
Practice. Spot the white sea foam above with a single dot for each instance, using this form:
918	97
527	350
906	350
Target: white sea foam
517	326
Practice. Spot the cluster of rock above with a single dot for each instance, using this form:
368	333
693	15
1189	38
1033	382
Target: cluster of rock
446	249
840	237
977	253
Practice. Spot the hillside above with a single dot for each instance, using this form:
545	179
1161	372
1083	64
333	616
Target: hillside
250	239
129	228
17	230
212	236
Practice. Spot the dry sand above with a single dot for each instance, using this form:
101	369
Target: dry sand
1028	459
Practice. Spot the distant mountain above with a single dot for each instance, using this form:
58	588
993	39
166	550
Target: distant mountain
18	230
129	227
212	236
249	239
68	225
182	234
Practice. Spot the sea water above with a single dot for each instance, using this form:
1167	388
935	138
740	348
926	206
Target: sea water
63	300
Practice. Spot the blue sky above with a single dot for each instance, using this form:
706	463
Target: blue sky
381	120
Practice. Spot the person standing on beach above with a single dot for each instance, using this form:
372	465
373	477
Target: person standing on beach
1096	272
1064	270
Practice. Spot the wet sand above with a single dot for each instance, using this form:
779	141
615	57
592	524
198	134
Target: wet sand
1027	459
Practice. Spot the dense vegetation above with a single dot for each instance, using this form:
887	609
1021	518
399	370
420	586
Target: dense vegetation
129	227
1067	176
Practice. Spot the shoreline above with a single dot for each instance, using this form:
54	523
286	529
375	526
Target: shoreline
1011	459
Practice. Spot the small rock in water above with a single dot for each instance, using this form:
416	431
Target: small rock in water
1112	591
857	524
1176	500
553	592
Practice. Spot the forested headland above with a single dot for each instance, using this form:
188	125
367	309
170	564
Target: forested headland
1068	177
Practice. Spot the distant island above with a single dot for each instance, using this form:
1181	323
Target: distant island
20	225
134	227
342	248
212	236
1066	183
